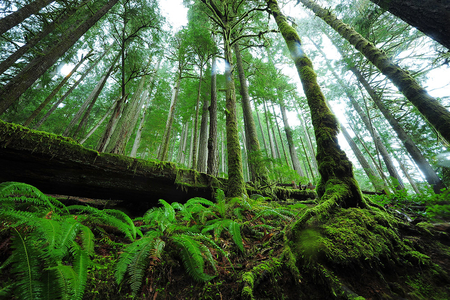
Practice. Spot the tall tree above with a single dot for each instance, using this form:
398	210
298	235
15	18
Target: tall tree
21	14
213	149
431	17
435	113
337	184
38	66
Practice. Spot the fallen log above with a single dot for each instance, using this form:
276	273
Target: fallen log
59	165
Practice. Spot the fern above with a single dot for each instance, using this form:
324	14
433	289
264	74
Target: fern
26	267
191	257
218	225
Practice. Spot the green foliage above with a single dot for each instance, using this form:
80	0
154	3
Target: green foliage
431	206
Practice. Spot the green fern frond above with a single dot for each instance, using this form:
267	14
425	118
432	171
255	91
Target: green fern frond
198	200
87	240
26	267
80	267
207	240
191	256
154	216
169	212
19	218
102	217
66	279
235	230
123	217
218	225
23	192
138	265
69	230
130	251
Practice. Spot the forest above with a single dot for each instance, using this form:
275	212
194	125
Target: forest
263	149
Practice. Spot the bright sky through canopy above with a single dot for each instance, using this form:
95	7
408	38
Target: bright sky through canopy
175	12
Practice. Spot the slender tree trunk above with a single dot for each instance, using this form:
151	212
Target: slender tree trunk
281	137
191	148
431	17
180	144
166	137
38	66
290	140
55	91
55	106
21	14
374	179
197	112
213	163
203	145
413	150
335	168
254	154
435	113
406	173
262	131
92	97
100	122
184	146
271	143
313	180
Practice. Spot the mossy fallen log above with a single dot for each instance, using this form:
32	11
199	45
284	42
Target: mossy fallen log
59	165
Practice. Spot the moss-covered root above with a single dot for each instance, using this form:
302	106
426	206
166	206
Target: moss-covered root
251	278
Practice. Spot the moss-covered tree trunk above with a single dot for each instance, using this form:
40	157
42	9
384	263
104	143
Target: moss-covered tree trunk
235	172
432	17
254	155
337	184
197	113
435	113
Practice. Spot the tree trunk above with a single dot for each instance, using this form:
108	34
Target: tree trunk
38	66
281	137
104	140
271	143
184	145
292	151
21	14
8	62
262	131
432	17
167	131
374	179
373	132
55	106
100	122
334	166
235	176
413	150
137	140
436	114
197	112
213	152
254	155
127	121
55	91
203	145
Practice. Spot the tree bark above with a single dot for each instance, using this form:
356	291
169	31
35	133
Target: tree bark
21	14
197	112
55	91
373	132
213	152
203	145
271	143
432	17
334	166
435	113
112	123
254	155
38	66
